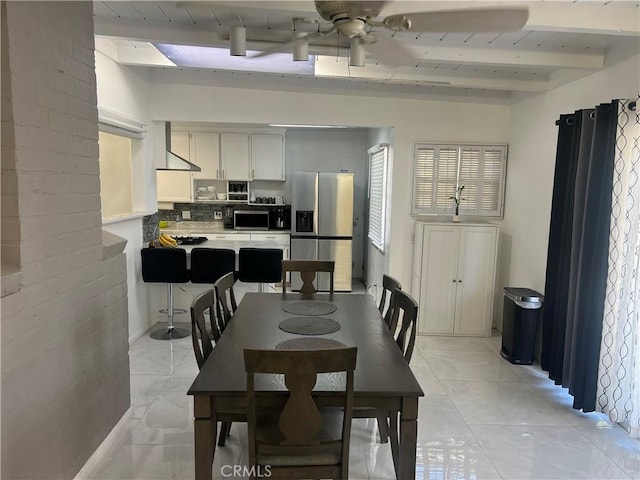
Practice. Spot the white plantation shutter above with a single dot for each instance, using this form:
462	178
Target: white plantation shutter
441	169
446	179
492	180
377	194
469	174
424	177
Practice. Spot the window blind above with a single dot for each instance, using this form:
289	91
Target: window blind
441	169
377	194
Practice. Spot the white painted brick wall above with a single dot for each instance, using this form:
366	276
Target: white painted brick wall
65	367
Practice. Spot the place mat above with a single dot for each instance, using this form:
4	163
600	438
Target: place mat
309	343
309	325
309	307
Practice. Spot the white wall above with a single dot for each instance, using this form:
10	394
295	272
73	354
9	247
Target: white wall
137	291
175	97
532	150
65	364
124	90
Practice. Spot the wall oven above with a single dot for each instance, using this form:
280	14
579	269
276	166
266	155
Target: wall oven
251	219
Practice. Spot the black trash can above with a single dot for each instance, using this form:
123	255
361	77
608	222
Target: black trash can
520	318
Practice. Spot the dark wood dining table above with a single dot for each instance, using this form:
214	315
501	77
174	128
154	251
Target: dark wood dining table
383	379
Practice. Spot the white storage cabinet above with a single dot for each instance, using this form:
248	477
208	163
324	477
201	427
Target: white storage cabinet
454	269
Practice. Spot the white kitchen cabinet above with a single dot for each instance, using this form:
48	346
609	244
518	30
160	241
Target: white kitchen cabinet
274	240
230	237
454	272
267	156
205	152
234	156
175	186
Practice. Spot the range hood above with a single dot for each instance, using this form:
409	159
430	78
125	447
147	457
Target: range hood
173	161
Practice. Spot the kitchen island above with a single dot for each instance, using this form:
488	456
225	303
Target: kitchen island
217	237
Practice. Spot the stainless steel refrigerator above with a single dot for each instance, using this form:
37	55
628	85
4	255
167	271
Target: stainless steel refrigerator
322	225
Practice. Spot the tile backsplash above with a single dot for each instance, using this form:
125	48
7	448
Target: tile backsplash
149	224
199	212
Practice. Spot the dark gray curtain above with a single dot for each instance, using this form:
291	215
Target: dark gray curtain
576	276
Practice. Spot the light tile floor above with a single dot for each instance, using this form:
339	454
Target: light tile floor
481	418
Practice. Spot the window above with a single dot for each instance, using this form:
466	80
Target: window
121	164
377	194
115	174
441	169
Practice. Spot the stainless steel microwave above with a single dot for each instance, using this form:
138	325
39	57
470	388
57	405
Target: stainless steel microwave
251	219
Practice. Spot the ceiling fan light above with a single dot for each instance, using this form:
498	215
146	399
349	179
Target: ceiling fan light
356	52
300	47
238	40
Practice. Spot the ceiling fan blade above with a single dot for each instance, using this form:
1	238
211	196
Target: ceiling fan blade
460	21
390	51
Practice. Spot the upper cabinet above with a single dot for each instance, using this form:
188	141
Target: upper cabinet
234	156
223	156
252	156
267	156
205	152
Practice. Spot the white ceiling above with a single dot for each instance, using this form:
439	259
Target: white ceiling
562	41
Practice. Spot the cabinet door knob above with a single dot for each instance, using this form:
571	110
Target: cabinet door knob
459	281
454	280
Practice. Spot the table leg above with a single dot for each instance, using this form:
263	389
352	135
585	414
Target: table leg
395	447
408	437
205	430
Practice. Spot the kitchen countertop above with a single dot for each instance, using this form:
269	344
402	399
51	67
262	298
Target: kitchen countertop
186	228
232	245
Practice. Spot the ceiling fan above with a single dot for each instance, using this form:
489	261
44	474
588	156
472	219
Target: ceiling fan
355	20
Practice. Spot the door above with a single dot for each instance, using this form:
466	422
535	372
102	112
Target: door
234	156
267	156
476	277
340	251
302	249
438	279
335	204
205	148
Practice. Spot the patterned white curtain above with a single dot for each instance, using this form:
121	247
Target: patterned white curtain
618	393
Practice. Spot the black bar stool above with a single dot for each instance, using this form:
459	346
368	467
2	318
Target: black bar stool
166	265
260	265
210	264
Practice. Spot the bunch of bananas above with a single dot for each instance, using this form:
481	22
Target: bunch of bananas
167	240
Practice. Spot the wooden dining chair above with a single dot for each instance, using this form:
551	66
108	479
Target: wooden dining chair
225	308
389	284
226	300
403	327
202	344
308	270
403	322
300	440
